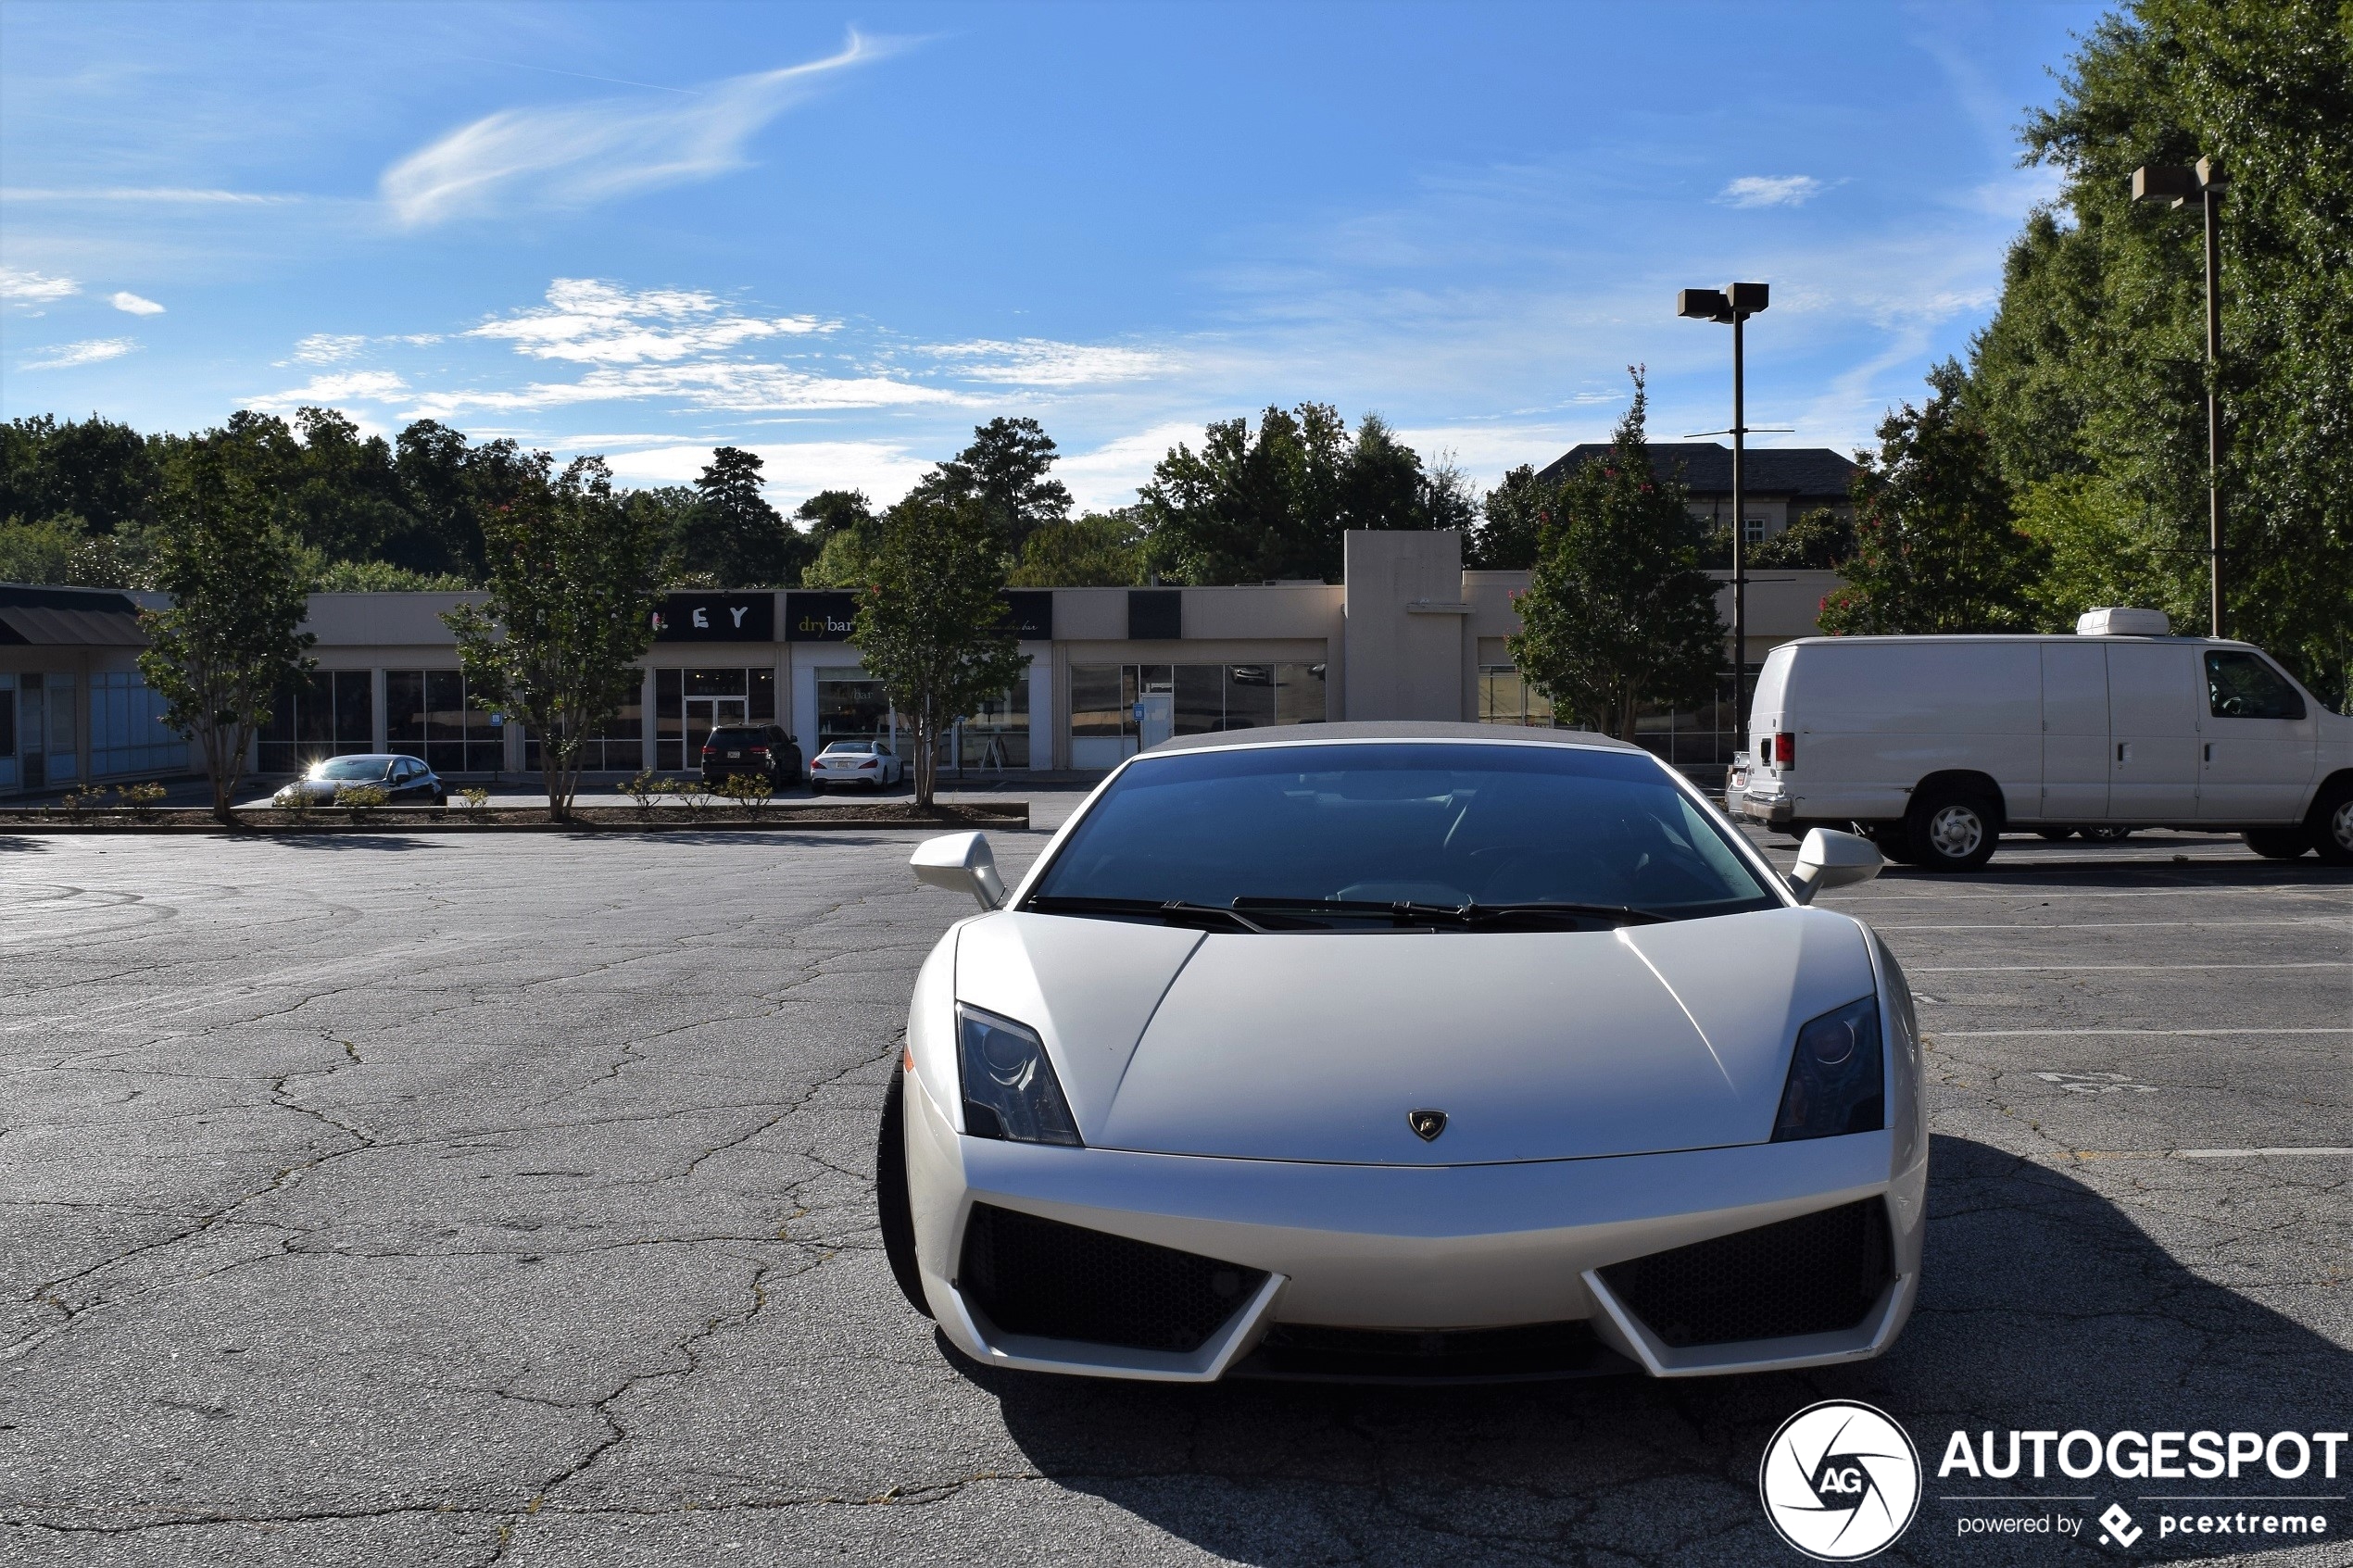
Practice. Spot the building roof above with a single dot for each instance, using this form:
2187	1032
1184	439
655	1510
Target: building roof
1808	473
31	617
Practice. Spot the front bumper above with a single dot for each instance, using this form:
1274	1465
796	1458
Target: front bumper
1432	1248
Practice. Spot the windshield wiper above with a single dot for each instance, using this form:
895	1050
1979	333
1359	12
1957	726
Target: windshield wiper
1175	911
1457	914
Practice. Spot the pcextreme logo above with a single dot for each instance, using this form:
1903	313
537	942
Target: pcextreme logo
1840	1481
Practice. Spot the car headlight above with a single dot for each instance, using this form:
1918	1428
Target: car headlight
1009	1088
1837	1076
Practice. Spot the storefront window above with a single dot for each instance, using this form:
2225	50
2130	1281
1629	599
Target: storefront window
427	715
328	713
1116	709
689	703
127	731
851	707
1506	698
8	774
993	739
617	746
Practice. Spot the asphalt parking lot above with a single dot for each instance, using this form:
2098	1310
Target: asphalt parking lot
399	1200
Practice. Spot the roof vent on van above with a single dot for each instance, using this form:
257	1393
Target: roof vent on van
2123	623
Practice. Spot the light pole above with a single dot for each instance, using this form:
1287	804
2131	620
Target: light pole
1734	303
2173	185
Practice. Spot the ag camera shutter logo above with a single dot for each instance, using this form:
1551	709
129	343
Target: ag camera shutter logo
1840	1481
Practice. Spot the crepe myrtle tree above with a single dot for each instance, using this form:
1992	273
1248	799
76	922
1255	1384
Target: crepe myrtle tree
231	638
931	622
574	578
1618	612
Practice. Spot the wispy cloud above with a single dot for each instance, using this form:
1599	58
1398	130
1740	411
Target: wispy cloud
326	348
134	304
364	386
1108	475
730	385
1771	190
34	288
591	323
156	194
89	351
1033	361
579	155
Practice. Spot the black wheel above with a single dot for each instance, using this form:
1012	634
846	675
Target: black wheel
892	1206
1952	830
2055	835
2108	835
2330	825
441	800
2278	843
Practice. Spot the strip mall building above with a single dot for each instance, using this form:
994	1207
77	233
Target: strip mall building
1408	635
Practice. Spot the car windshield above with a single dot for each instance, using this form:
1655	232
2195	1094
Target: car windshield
1336	834
352	767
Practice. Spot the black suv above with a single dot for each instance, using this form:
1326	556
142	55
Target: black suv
752	748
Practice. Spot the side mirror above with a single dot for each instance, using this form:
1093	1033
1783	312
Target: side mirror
1828	859
960	861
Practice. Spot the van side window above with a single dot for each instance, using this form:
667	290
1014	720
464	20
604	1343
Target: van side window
2240	685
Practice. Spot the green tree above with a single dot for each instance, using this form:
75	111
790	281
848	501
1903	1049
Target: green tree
931	623
232	635
828	512
66	551
1819	541
2093	364
733	535
574	579
1006	467
1937	547
1511	529
103	472
1099	550
1618	613
1278	503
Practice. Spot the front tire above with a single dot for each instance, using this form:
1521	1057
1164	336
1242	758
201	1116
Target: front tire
1952	830
2330	825
2108	835
892	1205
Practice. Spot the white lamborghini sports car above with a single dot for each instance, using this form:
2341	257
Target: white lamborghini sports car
1405	1052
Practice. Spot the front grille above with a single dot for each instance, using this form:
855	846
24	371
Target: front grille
1030	1276
1306	1351
1818	1273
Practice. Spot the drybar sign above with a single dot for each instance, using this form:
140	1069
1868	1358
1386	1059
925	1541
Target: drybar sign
716	617
828	617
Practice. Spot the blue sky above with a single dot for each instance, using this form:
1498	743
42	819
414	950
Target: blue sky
843	236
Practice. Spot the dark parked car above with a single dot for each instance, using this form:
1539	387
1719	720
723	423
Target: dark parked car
404	781
752	748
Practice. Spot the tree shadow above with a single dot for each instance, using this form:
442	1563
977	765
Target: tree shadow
27	844
361	838
2043	1307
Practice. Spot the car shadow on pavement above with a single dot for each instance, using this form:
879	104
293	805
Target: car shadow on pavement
2043	1307
2144	871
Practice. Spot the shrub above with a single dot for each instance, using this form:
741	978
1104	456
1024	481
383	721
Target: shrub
83	798
360	800
645	789
141	797
751	791
475	797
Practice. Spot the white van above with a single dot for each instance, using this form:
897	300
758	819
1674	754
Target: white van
1933	745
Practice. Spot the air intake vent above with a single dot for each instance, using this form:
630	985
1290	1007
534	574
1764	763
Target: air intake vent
1309	1352
1818	1273
1043	1277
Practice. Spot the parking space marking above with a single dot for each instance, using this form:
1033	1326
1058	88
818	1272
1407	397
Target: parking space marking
2249	1153
2096	1084
2116	924
2023	1033
2117	968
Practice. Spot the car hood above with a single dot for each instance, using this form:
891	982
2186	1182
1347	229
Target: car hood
1314	1046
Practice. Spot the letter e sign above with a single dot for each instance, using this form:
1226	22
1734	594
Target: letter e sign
703	617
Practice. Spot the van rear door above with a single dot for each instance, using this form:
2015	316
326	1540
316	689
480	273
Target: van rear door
2075	747
2153	731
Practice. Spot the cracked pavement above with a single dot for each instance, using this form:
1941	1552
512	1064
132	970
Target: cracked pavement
395	1200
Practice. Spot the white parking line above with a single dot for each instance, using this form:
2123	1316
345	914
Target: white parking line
2114	926
2135	968
2249	1153
2017	1033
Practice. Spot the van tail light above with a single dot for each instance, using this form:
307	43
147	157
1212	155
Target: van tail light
1785	749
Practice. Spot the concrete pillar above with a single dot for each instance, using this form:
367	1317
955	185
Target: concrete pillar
1403	645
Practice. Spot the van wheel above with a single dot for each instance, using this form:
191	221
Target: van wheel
2330	825
2277	843
891	1205
1951	831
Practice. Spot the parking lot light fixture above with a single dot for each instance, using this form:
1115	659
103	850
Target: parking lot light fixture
2205	182
1733	304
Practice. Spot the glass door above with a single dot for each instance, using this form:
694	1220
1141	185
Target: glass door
706	713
